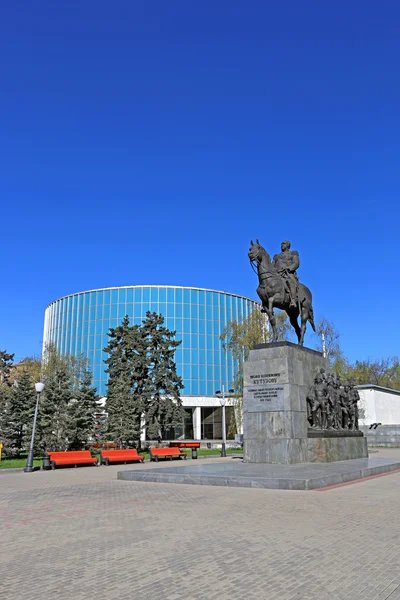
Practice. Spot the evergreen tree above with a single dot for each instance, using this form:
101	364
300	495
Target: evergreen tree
126	368
161	394
19	413
81	412
6	361
52	425
5	393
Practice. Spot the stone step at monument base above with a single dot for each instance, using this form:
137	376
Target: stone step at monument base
232	473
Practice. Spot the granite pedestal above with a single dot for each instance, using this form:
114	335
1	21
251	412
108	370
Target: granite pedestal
235	473
277	379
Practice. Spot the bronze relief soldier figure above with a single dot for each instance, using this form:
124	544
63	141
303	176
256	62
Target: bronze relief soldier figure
286	263
354	397
317	399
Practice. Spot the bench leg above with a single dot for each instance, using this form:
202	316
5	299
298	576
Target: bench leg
156	458
53	465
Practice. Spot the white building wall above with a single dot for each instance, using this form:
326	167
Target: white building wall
380	406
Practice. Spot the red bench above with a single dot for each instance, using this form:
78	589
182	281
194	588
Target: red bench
83	457
114	456
193	445
157	453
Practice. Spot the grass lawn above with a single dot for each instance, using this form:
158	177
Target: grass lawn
19	463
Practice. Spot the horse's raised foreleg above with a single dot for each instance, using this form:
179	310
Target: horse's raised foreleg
294	323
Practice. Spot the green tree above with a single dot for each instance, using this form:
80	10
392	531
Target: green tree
163	405
19	410
52	425
81	411
383	372
127	371
6	361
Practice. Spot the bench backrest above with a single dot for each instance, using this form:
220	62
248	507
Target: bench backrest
165	452
131	452
70	454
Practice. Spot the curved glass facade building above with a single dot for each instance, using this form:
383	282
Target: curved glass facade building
78	324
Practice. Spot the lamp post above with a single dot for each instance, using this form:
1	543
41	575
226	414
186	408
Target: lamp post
29	463
222	401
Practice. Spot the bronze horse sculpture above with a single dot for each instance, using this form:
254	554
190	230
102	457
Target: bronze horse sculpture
273	293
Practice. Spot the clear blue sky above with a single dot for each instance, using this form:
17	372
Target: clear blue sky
149	141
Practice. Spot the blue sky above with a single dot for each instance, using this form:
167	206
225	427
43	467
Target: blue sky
148	142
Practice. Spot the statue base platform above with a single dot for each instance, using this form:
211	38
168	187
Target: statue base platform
277	379
336	448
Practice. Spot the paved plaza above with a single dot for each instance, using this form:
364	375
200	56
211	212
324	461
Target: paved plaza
78	534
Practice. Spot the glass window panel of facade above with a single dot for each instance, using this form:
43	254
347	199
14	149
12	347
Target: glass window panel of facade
178	325
137	310
186	325
154	307
195	326
154	294
122	296
186	372
195	387
202	341
121	311
209	312
202	297
178	295
146	295
129	295
194	311
170	323
170	310
178	310
186	340
194	358
202	388
209	298
195	372
194	296
162	295
202	311
170	295
186	356
186	311
202	372
178	355
162	309
202	357
186	296
194	343
209	327
138	294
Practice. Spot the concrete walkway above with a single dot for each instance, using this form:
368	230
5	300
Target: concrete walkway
78	534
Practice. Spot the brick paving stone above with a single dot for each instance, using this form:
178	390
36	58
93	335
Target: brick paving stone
80	533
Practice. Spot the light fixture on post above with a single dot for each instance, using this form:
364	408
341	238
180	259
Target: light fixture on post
29	463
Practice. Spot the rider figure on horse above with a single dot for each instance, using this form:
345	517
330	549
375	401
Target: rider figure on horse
286	263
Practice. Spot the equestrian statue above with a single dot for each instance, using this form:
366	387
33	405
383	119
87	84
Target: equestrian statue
279	287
